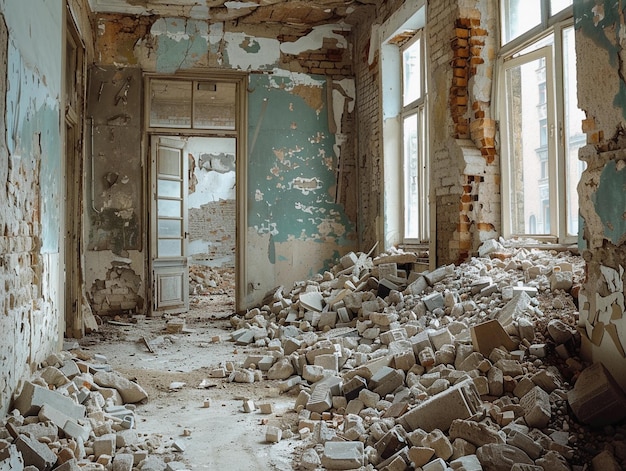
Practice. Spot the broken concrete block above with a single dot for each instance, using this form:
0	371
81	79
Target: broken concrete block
386	380
33	397
561	280
10	458
312	301
433	301
536	405
605	461
420	455
248	406
35	453
273	434
390	443
343	455
559	331
466	463
122	462
352	387
538	349
70	465
476	433
38	430
596	398
321	399
500	457
349	260
289	383
417	287
438	442
327	361
104	445
282	369
130	391
460	401
522	441
435	465
489	335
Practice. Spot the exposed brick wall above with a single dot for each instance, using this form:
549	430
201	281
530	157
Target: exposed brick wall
215	224
467	195
329	59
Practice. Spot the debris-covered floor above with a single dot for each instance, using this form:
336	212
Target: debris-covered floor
367	366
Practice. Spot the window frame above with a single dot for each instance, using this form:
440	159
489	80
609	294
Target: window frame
557	161
416	108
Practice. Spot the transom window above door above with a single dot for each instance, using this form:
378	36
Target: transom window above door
192	104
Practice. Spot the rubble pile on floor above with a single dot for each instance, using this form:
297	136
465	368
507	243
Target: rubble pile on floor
76	414
471	367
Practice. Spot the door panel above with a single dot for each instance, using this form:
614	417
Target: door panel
170	269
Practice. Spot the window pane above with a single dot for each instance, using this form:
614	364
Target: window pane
530	188
411	67
169	188
170	227
170	248
169	208
411	178
214	105
558	5
170	104
574	138
519	16
169	162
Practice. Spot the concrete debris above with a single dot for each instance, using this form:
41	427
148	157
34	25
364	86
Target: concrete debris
71	416
395	369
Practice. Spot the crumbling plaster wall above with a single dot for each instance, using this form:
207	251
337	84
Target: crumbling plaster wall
600	48
464	173
31	169
301	179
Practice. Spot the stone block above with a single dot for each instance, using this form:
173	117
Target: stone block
522	441
417	287
439	338
514	308
312	301
438	442
386	380
466	463
390	443
273	434
500	457
33	397
104	445
122	462
460	401
435	465
327	361
420	455
596	398
536	405
393	335
476	433
352	387
343	455
321	399
130	391
35	453
433	301
489	335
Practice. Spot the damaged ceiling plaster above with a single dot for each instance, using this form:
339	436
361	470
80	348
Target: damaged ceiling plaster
294	12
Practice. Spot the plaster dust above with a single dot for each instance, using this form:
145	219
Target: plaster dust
221	436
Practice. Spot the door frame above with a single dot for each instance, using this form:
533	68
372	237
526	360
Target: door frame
241	177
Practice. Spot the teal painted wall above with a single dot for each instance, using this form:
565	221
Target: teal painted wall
292	165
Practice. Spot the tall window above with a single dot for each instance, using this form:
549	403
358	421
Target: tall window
540	122
414	142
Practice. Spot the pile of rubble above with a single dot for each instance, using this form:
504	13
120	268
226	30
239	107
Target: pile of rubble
205	280
76	414
471	367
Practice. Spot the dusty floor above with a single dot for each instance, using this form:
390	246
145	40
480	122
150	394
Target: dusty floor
217	437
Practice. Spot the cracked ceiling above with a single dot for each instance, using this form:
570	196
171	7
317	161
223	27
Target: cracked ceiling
252	12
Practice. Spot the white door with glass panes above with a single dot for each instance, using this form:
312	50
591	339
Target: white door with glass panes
168	221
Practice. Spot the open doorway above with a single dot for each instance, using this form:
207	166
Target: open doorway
195	125
193	222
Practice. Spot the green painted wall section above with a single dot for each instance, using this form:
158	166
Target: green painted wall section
610	202
180	43
33	138
603	22
291	167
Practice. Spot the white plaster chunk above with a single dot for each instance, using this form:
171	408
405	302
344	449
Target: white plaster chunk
267	55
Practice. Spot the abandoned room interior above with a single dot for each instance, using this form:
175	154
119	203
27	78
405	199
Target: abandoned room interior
313	234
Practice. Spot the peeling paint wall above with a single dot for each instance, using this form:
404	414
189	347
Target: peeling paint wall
464	166
600	29
31	169
302	205
115	186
